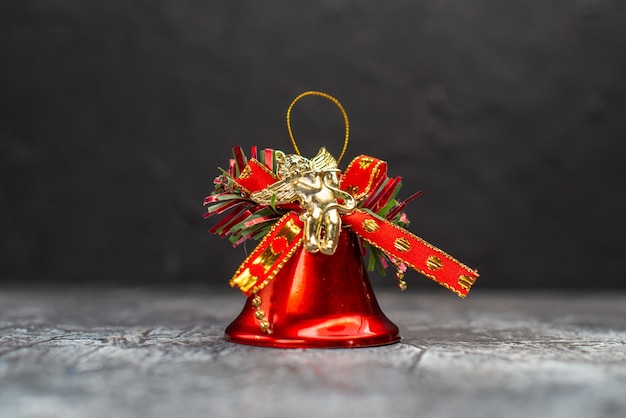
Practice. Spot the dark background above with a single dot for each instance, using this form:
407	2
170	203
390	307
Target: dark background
508	115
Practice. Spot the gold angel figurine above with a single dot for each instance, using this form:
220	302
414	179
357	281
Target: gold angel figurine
315	185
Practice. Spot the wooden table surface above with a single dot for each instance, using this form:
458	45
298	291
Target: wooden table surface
159	352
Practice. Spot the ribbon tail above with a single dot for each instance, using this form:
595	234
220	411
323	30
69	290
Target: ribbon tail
266	260
413	251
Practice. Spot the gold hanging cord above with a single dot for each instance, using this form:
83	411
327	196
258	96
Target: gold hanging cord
332	99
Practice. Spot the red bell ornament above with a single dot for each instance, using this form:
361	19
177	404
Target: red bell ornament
316	300
306	281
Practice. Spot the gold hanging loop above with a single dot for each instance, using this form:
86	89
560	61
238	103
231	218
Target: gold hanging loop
332	99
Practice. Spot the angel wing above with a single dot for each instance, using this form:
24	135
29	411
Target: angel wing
324	161
276	194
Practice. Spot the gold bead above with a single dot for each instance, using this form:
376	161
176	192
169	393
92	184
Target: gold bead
402	285
259	314
399	275
264	325
256	301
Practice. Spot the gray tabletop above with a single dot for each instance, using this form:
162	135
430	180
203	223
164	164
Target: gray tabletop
145	352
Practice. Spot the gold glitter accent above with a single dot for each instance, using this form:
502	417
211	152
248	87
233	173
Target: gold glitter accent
352	189
365	162
245	279
466	282
268	257
434	263
370	225
402	244
247	172
379	168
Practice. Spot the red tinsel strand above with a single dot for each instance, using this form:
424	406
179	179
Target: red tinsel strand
392	214
240	158
219	227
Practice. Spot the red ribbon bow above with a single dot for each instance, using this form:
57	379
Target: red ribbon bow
363	180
